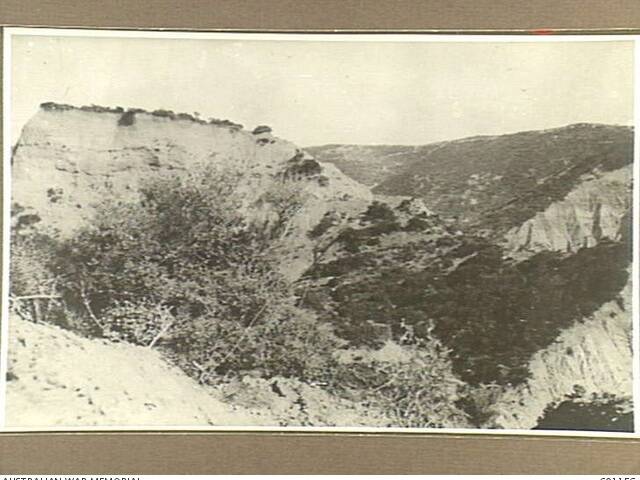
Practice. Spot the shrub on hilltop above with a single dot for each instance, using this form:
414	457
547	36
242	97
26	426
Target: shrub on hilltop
261	129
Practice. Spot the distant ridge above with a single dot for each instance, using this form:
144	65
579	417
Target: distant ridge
499	179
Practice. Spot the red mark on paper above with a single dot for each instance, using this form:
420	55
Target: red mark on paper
542	31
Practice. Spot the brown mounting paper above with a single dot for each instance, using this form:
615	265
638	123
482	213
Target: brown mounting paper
328	15
289	453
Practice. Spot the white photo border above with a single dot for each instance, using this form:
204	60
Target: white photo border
10	32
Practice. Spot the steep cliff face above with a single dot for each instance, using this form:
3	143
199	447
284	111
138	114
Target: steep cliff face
68	159
593	358
594	210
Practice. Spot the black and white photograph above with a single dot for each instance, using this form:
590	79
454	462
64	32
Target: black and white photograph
334	232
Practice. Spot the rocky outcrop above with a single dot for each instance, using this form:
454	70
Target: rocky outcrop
594	210
593	358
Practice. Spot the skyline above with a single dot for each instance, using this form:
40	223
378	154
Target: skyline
315	92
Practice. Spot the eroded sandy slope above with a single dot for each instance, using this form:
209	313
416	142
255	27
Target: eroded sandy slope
60	379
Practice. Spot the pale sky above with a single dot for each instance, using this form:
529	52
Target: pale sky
316	92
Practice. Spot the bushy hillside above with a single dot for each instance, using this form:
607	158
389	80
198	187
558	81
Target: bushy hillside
276	279
489	183
195	247
370	164
492	313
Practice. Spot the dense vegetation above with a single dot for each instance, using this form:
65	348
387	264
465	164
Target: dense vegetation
491	312
181	269
188	268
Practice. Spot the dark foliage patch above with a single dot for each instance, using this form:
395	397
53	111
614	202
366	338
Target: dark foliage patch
299	167
378	211
496	315
225	123
100	109
53	106
492	313
261	129
602	415
127	119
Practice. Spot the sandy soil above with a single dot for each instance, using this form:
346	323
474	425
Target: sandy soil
60	379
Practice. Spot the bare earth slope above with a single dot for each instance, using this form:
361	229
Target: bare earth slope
60	379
